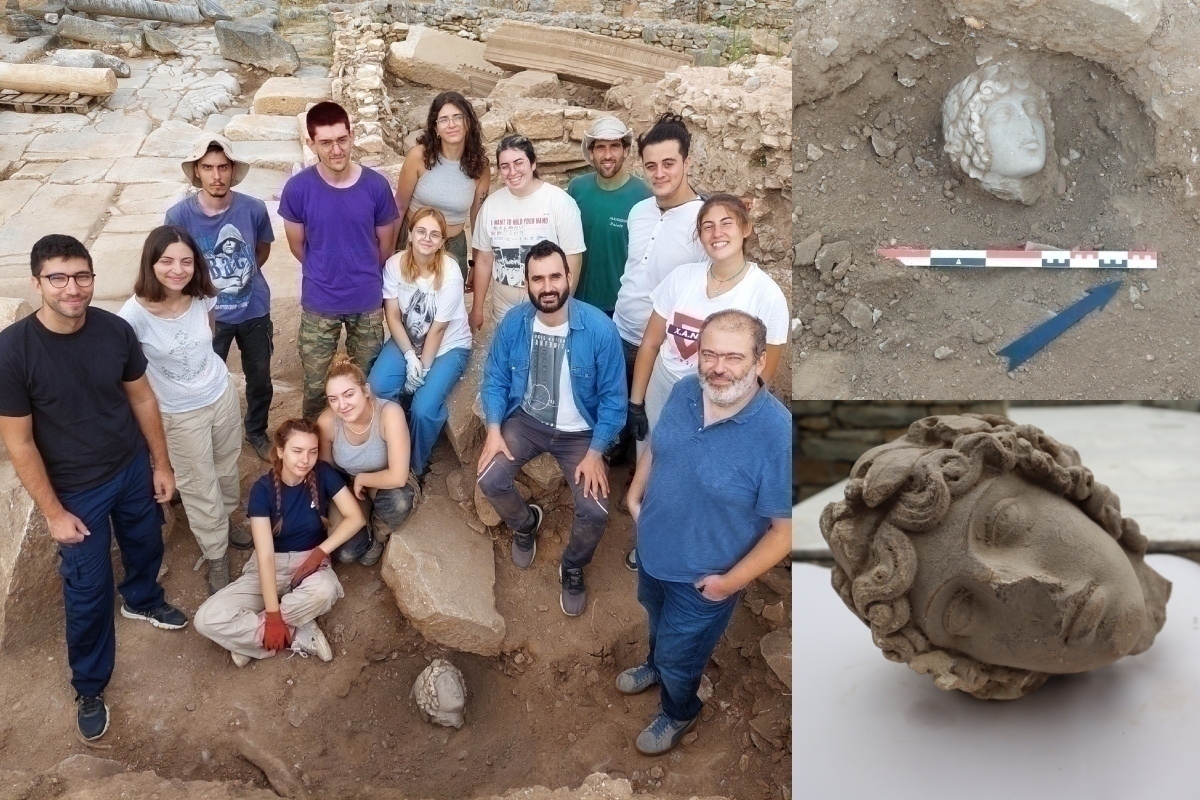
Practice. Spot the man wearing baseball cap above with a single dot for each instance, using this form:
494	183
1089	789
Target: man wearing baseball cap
234	234
604	198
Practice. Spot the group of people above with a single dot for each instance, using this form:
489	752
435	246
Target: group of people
622	310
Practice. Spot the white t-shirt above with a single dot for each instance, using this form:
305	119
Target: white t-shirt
682	300
548	397
659	241
421	305
509	226
183	370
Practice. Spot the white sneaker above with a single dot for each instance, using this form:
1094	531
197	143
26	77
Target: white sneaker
239	660
308	640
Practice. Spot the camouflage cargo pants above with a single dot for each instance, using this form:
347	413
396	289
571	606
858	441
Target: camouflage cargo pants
319	336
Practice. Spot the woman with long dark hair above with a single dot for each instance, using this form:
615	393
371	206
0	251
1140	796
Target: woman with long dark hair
448	170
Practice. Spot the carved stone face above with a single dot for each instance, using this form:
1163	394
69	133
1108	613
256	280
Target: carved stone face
1017	576
1016	136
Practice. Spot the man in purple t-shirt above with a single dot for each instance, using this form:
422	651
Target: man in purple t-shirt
340	220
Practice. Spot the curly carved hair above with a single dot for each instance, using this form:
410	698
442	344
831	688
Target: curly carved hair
906	487
967	104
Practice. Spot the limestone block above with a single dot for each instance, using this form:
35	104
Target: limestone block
13	309
160	42
558	152
173	139
212	11
538	122
30	588
1088	28
528	83
135	169
464	427
290	96
265	184
492	126
150	198
433	58
132	223
115	257
269	155
82	170
443	575
92	32
484	510
82	144
75	210
459	483
545	472
257	45
30	50
91	59
578	56
262	128
12	145
776	649
140	9
13	195
53	79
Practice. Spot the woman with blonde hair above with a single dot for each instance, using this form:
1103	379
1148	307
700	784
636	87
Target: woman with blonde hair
289	582
431	341
366	439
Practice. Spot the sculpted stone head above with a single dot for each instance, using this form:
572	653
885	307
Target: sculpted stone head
983	553
998	130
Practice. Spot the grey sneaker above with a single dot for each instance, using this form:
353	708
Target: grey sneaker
309	641
662	734
524	543
636	680
631	560
573	599
218	574
373	554
261	445
240	538
166	616
91	716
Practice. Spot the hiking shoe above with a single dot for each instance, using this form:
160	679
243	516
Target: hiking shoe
218	574
373	554
166	616
636	680
239	660
662	734
573	599
261	445
524	543
631	560
308	640
240	538
91	716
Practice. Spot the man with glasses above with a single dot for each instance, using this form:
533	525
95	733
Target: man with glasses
82	427
339	218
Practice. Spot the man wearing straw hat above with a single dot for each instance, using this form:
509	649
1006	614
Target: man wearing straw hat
233	231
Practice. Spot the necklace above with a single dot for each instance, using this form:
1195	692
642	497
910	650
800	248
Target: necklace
177	313
364	430
732	277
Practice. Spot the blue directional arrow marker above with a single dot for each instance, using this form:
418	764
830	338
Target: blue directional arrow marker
1022	349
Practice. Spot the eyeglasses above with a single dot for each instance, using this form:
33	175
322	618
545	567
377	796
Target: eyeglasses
342	143
59	280
444	122
421	233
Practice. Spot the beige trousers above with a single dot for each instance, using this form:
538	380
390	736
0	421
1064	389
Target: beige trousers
204	446
234	618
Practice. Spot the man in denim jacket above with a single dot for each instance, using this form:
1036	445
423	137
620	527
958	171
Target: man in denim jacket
554	382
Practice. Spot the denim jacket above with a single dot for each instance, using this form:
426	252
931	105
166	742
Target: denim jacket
594	355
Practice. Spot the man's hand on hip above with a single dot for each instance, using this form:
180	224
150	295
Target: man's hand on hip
492	447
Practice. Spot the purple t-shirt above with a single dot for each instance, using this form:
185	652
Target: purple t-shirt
341	273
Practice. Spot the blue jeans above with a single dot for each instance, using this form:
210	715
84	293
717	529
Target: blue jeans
684	630
427	412
86	568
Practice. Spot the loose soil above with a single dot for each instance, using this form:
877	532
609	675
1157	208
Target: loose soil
544	713
1144	344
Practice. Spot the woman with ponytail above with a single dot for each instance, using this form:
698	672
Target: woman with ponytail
289	582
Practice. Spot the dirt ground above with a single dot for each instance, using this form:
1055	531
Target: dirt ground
545	712
1144	344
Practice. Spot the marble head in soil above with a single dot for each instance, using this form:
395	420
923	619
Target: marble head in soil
998	130
983	553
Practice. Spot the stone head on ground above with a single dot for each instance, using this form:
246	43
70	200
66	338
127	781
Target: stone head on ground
997	128
664	152
547	277
441	694
732	354
606	145
330	135
211	166
62	275
984	554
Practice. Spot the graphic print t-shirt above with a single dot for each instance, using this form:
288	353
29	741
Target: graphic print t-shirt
548	397
421	305
682	300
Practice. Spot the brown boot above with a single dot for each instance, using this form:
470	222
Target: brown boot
218	574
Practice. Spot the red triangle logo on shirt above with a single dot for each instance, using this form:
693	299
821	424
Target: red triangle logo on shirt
685	331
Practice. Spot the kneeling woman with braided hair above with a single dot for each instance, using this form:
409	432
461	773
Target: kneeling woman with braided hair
289	582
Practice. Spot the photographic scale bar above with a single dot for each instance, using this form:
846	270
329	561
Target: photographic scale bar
1044	259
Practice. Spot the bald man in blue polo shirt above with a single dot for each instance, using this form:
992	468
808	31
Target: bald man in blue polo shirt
712	502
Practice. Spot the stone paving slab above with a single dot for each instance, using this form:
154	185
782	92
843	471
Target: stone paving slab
132	223
285	96
262	128
173	139
81	144
116	258
14	195
145	170
124	123
278	155
12	145
265	184
150	198
35	171
56	208
82	171
17	122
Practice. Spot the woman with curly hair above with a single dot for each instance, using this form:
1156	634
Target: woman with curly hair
983	553
274	605
448	170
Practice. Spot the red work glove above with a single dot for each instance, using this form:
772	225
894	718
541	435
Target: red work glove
316	557
275	635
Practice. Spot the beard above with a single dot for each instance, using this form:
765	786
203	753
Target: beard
548	302
739	388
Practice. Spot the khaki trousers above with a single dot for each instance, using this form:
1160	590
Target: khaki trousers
204	446
234	618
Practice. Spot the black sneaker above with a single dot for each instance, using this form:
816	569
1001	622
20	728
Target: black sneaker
524	543
261	445
573	599
166	616
91	716
631	560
